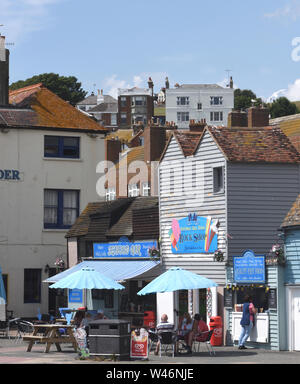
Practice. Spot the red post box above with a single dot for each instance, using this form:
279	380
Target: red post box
216	325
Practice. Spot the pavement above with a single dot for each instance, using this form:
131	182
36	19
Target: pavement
13	351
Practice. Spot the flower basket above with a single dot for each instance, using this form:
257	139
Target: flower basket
154	253
276	256
218	255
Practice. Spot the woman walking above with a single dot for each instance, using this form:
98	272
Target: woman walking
247	321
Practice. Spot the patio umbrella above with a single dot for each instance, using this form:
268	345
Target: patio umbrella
87	278
176	279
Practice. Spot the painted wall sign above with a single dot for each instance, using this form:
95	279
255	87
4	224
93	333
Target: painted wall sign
75	296
194	234
272	298
124	249
249	268
9	174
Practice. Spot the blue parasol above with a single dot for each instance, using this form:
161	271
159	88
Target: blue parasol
2	289
176	279
87	278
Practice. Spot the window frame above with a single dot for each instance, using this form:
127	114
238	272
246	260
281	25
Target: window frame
60	208
183	100
133	190
181	114
61	147
110	194
218	187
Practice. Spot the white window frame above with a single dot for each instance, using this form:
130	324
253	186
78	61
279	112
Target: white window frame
133	190
216	100
183	100
146	188
183	116
218	179
110	194
216	115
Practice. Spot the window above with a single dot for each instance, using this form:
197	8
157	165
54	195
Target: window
61	146
123	118
110	194
138	100
146	189
216	116
123	101
183	100
183	116
113	119
216	100
133	190
199	106
32	285
61	208
218	179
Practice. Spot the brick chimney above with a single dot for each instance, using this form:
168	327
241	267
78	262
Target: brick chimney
237	119
112	150
258	117
154	142
4	72
197	126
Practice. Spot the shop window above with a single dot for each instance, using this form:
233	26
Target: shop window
61	146
259	296
32	285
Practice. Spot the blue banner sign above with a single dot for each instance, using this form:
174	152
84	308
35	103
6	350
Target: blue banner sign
75	296
194	234
124	249
249	268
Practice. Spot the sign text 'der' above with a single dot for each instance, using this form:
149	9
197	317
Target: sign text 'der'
9	174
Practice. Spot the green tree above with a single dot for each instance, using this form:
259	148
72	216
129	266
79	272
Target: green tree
282	107
66	87
243	99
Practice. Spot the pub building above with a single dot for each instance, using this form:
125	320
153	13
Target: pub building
118	238
224	177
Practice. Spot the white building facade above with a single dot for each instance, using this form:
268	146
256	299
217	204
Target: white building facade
199	101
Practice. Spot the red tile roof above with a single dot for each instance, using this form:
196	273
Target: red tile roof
293	216
265	144
39	107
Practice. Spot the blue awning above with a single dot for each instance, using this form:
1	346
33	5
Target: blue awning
118	270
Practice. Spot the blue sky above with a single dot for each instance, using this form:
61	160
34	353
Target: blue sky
117	43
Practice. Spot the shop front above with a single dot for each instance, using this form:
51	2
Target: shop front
263	279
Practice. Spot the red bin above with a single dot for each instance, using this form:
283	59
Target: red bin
216	325
149	319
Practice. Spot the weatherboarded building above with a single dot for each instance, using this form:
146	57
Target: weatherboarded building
223	190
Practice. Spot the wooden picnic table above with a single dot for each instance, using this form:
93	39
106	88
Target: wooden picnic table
48	334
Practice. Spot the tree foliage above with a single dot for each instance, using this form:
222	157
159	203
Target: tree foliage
243	99
66	87
282	107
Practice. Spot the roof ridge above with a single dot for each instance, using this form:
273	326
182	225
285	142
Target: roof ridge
27	88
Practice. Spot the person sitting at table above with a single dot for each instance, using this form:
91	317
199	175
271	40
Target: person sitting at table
185	327
79	316
163	326
199	326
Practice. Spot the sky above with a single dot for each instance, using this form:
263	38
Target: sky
119	44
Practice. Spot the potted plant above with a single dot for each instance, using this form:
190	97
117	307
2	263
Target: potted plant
154	253
276	255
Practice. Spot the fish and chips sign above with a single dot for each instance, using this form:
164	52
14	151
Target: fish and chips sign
194	234
249	268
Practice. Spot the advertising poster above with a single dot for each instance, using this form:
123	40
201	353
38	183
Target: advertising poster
139	344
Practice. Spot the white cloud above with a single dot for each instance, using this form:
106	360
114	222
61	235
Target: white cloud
23	17
292	92
291	11
112	83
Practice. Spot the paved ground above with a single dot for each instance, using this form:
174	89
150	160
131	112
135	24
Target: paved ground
14	352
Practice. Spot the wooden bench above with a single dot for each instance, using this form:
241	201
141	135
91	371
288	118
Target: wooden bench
51	336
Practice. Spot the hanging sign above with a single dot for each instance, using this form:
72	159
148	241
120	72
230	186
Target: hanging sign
139	344
249	268
194	234
75	295
272	298
124	249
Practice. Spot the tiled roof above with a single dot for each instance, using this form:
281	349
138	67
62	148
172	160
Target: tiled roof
293	216
39	107
266	144
290	125
188	141
103	221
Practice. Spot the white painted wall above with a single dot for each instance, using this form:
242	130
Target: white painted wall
198	96
24	243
